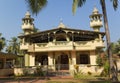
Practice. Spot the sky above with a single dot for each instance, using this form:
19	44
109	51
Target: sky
12	12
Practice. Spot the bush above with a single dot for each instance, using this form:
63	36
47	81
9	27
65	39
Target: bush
77	73
39	72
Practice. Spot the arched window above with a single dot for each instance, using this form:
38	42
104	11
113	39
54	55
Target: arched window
51	36
60	35
70	35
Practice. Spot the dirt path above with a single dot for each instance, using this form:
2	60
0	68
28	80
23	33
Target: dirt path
23	81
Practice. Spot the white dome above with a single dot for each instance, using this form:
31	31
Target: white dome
61	25
95	10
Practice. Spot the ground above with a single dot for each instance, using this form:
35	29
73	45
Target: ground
50	80
58	79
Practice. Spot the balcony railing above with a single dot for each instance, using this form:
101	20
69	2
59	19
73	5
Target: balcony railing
41	44
63	45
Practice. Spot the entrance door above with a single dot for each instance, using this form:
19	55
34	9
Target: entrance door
41	59
64	62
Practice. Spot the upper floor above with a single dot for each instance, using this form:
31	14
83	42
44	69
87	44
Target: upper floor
62	39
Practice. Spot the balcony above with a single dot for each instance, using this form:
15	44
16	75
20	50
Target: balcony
54	46
24	46
88	45
62	45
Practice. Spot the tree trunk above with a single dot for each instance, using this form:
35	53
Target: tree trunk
112	70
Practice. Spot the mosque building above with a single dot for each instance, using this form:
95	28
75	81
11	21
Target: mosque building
63	47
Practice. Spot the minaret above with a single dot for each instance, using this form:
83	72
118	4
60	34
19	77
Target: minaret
27	25
96	22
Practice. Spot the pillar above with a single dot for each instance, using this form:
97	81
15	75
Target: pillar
26	59
73	55
73	61
31	59
67	38
50	58
50	61
92	58
54	39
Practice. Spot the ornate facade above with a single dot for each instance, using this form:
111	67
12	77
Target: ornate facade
62	48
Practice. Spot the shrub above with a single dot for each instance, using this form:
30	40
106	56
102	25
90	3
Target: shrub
39	71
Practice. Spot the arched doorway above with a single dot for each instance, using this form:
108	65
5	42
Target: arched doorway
64	59
62	62
41	59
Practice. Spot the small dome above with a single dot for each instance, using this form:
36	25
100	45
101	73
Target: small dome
27	15
95	10
61	25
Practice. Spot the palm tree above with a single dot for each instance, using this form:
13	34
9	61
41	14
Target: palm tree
2	42
13	46
36	5
80	3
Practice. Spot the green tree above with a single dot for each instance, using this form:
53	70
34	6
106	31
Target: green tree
2	42
36	5
80	3
102	61
36	30
115	47
13	46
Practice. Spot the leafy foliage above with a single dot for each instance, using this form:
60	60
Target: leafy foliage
77	3
2	42
36	30
80	3
99	60
115	4
102	61
115	47
36	5
77	73
13	46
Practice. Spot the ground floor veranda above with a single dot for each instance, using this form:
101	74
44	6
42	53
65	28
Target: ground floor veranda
63	60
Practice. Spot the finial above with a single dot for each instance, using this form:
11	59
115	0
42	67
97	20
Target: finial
61	20
95	10
94	5
61	25
27	15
